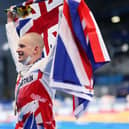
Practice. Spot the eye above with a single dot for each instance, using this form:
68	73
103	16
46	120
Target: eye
21	45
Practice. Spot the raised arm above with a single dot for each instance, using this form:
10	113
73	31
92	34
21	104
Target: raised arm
12	38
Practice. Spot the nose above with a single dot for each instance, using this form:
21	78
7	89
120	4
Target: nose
18	50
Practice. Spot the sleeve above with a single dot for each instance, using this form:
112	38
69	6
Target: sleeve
12	42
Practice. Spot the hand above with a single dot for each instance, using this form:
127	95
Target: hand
10	15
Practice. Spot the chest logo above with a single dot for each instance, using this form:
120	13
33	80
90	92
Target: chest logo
26	80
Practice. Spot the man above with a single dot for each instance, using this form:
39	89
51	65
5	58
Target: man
33	95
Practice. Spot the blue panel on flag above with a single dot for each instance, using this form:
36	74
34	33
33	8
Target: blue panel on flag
85	102
21	24
66	73
30	123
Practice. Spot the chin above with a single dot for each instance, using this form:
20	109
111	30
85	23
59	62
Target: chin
20	61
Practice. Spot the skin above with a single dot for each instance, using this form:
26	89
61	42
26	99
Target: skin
10	15
30	45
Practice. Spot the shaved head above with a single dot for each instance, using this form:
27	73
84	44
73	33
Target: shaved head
33	39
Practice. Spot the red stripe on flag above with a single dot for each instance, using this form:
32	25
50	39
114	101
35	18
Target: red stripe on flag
90	30
95	44
45	38
73	103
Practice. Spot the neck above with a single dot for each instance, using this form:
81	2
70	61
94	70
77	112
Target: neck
34	60
27	61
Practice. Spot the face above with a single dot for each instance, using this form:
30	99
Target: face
24	51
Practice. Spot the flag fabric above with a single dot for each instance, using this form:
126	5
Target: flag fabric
31	122
28	2
43	19
79	51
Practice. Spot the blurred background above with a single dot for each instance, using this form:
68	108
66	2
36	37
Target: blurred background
111	101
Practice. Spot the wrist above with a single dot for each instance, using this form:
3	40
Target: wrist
9	20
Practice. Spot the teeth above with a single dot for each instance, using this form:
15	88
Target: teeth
20	53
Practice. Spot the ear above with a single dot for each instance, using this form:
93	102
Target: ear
36	49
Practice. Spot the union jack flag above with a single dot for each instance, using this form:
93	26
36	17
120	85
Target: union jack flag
43	19
79	51
31	122
28	2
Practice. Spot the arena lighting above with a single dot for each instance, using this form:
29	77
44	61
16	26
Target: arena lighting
115	19
125	47
5	47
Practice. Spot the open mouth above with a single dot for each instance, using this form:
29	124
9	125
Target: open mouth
20	53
